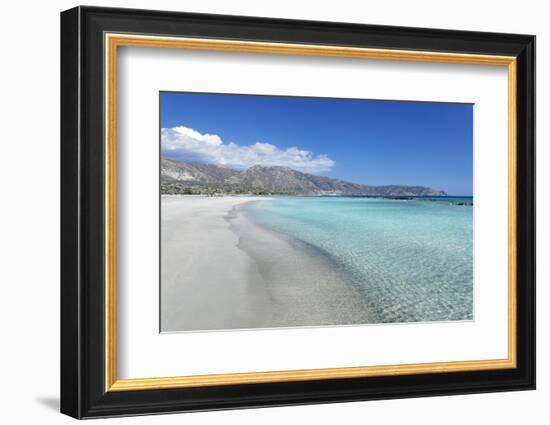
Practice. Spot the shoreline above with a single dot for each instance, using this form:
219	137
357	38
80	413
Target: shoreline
221	271
307	287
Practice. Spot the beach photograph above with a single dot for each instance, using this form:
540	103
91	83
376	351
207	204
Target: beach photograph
284	211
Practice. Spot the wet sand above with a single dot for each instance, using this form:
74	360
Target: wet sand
220	270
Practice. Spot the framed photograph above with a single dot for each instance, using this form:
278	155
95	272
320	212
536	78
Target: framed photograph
261	212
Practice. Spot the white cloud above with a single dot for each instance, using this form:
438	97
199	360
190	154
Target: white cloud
184	143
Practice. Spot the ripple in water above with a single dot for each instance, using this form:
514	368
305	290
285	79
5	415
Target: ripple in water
412	259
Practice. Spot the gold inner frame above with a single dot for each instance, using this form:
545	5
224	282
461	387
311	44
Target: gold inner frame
113	41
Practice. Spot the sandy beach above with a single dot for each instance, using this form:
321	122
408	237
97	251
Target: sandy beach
219	270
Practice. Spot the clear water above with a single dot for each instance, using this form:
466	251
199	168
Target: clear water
412	260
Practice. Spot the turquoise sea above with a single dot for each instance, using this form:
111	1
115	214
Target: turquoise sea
412	260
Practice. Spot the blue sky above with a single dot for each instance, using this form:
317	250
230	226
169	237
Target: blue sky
363	141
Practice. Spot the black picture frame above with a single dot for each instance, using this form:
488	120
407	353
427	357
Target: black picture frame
83	392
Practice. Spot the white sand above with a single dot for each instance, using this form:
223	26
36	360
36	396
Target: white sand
206	281
219	270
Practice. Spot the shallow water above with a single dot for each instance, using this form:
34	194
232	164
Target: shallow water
411	260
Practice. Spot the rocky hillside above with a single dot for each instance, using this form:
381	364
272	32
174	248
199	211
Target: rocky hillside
180	177
193	174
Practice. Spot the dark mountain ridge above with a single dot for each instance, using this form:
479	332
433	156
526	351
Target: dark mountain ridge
184	177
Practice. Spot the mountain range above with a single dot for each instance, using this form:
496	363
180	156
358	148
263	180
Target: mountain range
185	177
